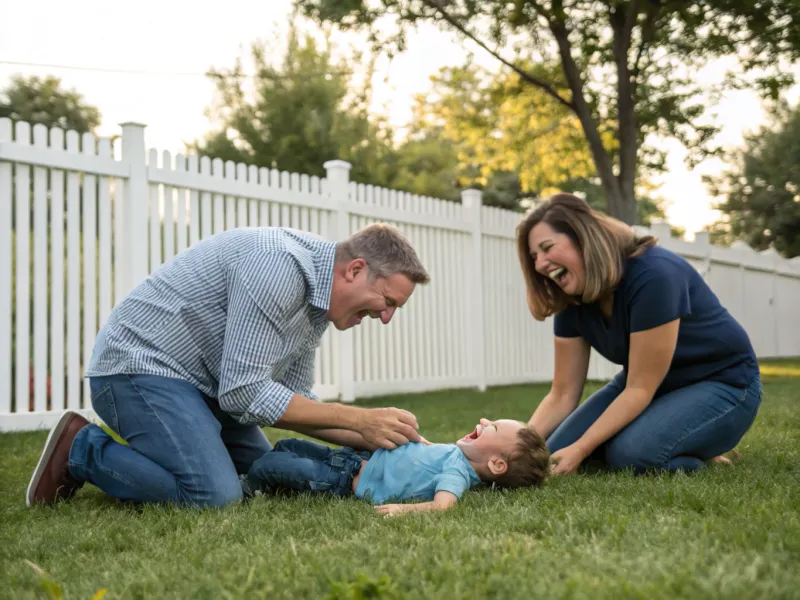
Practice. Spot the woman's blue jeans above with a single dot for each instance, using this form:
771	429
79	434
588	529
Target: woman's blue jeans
679	430
182	448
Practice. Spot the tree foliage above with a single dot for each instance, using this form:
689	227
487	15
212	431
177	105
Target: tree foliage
303	112
628	68
761	191
43	100
515	143
499	126
308	109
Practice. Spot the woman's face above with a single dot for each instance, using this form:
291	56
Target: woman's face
555	256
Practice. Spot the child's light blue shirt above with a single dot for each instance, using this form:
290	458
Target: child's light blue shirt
416	471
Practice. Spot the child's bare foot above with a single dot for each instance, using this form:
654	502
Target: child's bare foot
727	459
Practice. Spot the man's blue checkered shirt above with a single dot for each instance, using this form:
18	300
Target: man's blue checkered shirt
239	315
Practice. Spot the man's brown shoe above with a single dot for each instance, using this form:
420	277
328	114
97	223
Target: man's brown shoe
51	480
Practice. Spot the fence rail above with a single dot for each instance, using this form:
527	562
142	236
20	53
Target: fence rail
81	225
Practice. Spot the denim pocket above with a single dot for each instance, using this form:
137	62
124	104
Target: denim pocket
105	407
320	486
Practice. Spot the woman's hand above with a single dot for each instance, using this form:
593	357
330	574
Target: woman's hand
567	460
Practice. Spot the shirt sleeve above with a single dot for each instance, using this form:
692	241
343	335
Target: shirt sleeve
657	295
264	290
452	480
300	375
564	324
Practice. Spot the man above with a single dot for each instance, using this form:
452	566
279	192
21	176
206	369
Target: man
213	346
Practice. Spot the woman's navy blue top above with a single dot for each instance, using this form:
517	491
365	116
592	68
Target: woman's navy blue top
658	287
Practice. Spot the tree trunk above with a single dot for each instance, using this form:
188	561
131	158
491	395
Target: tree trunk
615	203
629	208
622	23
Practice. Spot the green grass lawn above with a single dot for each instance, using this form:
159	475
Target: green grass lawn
727	532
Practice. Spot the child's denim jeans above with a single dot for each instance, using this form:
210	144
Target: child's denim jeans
303	465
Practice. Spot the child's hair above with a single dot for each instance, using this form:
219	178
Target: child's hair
529	463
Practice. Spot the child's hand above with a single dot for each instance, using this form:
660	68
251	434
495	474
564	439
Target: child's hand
393	510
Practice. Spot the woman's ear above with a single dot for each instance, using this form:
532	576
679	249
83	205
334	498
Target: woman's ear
497	465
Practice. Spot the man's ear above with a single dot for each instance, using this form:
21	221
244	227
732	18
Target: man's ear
354	267
497	465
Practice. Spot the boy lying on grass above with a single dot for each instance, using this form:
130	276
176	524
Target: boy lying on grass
507	453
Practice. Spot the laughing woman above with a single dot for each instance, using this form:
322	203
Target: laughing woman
689	387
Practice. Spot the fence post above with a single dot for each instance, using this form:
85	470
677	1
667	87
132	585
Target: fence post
775	259
338	177
661	230
702	239
471	201
132	264
6	267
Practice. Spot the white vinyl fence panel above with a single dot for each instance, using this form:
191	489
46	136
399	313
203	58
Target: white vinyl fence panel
80	227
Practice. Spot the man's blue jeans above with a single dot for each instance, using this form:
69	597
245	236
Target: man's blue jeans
304	466
679	430
182	447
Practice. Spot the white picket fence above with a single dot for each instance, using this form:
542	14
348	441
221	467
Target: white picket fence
91	221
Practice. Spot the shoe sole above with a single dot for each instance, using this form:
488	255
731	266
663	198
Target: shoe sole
47	452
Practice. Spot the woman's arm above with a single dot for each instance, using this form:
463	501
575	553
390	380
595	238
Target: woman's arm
571	365
650	354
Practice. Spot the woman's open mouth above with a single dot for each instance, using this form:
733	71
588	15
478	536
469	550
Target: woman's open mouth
558	274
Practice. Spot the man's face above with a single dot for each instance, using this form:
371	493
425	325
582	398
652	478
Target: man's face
490	439
355	296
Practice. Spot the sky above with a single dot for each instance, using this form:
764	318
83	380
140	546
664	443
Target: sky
163	38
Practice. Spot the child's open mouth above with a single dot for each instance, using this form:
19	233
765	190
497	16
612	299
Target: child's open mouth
475	434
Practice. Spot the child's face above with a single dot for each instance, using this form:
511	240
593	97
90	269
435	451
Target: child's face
490	444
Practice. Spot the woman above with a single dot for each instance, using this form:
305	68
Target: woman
689	388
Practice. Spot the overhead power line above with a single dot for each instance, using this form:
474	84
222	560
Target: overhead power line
167	73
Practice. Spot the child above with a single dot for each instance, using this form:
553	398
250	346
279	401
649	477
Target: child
505	452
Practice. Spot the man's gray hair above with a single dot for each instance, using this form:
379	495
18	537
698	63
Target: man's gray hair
385	250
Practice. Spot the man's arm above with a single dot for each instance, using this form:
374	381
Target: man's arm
340	437
258	311
264	290
300	378
300	374
441	501
373	428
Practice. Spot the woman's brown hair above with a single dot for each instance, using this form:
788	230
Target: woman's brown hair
604	243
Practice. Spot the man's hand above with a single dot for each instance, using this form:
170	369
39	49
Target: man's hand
388	427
